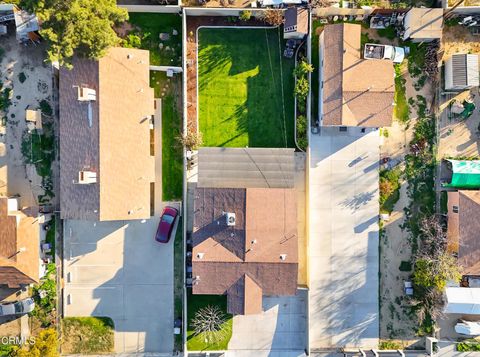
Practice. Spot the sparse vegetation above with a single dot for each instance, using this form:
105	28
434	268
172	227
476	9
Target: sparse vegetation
46	345
245	15
87	335
273	17
191	140
22	77
45	296
389	345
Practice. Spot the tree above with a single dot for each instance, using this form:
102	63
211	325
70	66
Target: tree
436	272
191	140
273	17
77	27
245	15
208	321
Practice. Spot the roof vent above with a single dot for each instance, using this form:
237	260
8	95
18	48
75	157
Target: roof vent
129	56
283	256
231	219
200	255
87	177
86	94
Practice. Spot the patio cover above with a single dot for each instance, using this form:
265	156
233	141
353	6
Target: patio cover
466	174
463	301
246	167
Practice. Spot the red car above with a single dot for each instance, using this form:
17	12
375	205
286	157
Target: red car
167	221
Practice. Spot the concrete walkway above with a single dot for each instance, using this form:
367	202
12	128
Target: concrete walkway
343	239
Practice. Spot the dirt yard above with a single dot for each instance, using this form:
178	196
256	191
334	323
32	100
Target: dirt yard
24	71
396	321
458	39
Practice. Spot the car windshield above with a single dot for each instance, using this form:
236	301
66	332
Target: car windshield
18	307
167	218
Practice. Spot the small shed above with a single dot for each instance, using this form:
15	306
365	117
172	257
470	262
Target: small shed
296	23
423	24
461	72
34	119
465	174
462	301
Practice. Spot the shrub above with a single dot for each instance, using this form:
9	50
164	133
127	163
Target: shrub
45	345
389	345
468	346
302	140
245	15
191	140
22	77
132	41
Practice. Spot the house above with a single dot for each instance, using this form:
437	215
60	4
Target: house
106	118
423	25
246	167
296	23
244	245
461	72
354	91
463	228
19	245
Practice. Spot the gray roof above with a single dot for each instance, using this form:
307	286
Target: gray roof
465	70
246	167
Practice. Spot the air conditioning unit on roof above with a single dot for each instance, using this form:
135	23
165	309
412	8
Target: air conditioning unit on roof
230	218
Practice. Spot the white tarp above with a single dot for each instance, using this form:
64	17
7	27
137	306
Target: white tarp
463	301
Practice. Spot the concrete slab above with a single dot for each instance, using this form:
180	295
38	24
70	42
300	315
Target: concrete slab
343	239
116	269
281	330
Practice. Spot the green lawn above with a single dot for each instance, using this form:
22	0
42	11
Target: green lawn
172	156
148	28
245	88
195	302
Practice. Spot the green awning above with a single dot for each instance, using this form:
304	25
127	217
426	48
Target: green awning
466	174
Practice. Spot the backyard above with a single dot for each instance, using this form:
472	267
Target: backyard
245	88
145	31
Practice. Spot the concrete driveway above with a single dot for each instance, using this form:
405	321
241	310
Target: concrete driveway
281	330
116	269
343	239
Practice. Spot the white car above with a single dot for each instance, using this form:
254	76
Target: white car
378	51
17	308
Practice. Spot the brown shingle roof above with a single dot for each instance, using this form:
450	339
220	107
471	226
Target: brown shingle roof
245	260
116	147
356	92
19	246
463	236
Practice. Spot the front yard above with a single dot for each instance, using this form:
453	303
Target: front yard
245	88
87	335
198	342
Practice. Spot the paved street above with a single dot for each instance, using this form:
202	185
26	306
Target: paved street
281	330
343	240
116	269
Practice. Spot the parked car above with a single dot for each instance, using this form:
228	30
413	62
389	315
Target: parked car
165	227
17	308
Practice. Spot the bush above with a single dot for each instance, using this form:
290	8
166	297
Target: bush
389	186
22	77
302	132
45	345
132	41
46	108
245	15
468	346
389	345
